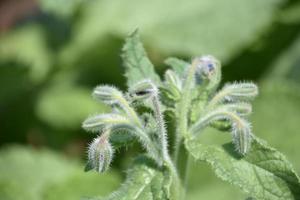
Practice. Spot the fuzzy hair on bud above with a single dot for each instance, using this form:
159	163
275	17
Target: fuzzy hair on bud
143	90
240	108
100	154
236	92
99	122
241	135
241	130
107	94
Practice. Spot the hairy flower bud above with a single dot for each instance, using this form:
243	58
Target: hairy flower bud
99	122
100	154
107	94
240	91
207	66
143	90
241	134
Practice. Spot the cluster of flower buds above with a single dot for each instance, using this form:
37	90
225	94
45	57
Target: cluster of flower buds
227	108
125	119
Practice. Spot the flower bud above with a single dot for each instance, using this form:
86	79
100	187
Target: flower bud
99	122
143	90
100	154
240	91
107	94
207	66
241	134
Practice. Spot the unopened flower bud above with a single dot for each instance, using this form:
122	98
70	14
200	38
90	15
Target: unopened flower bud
107	94
143	90
207	66
241	134
100	154
240	91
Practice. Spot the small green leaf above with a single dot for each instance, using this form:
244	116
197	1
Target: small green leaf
177	65
264	173
144	182
136	62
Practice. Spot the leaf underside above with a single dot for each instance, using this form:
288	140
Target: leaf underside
264	173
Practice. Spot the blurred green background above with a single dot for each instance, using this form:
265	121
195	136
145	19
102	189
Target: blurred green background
53	52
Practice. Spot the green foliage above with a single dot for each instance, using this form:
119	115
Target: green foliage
144	181
51	59
263	173
183	28
137	64
248	162
54	176
69	99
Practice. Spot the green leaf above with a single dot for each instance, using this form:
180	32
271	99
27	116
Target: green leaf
144	182
177	27
287	65
136	62
26	173
177	65
276	116
54	7
76	104
264	173
27	46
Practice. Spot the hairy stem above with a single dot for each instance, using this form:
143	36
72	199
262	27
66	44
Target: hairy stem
182	116
164	145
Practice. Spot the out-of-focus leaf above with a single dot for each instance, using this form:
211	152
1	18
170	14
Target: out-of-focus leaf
81	185
61	8
290	15
137	64
67	107
27	46
179	27
276	116
263	173
26	173
287	65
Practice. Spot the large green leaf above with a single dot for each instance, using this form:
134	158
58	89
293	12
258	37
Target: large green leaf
178	27
66	107
276	116
27	46
137	64
287	65
144	182
264	173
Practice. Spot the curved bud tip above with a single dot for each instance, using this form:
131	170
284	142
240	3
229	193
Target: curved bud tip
107	94
143	90
100	154
206	66
240	91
